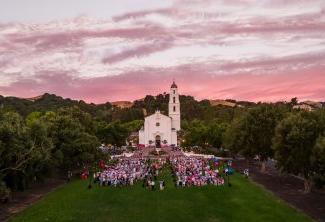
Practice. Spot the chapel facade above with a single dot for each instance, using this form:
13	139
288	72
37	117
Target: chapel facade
160	130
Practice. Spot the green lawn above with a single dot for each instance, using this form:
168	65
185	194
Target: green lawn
244	201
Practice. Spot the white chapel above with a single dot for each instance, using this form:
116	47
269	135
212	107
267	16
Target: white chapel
161	130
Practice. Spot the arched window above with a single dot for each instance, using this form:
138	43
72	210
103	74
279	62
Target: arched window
174	99
174	108
157	124
174	91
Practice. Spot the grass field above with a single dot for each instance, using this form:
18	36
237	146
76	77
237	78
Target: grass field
243	201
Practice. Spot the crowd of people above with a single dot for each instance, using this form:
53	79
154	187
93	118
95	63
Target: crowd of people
188	171
128	171
195	171
125	172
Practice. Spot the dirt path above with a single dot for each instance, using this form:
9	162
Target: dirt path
290	189
21	200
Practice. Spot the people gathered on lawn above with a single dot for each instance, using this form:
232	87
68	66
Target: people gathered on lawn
125	172
188	171
195	171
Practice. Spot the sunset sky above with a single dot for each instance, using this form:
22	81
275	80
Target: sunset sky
108	50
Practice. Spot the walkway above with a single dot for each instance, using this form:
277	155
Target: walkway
22	200
290	189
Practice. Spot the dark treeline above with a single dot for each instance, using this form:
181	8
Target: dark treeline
191	108
50	133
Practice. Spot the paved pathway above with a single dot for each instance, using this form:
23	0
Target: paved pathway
21	200
290	189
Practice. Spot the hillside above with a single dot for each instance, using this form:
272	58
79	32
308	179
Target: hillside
122	104
220	102
125	111
121	110
47	102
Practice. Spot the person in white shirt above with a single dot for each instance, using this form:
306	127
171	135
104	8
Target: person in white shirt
153	185
161	185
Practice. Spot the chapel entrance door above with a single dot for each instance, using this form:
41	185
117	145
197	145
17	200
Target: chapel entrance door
158	142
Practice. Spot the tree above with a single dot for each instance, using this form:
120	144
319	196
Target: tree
24	149
318	159
39	135
114	133
252	133
293	101
294	143
215	133
235	136
83	151
73	132
13	152
133	126
195	134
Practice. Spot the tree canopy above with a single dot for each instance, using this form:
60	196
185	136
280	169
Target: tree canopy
298	142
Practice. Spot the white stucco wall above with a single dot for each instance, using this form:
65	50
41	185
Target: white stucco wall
151	130
174	137
141	136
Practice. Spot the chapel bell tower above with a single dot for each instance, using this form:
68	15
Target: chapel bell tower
174	107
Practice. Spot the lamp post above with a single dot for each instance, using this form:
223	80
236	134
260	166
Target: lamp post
90	174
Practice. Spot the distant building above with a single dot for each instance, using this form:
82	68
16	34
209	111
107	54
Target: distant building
305	107
308	106
316	105
161	130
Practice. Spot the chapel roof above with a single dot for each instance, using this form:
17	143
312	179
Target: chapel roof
156	114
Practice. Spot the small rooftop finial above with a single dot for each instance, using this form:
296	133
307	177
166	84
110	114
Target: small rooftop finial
174	84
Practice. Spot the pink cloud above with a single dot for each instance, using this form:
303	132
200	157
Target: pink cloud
73	39
134	15
139	51
130	86
289	62
56	39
